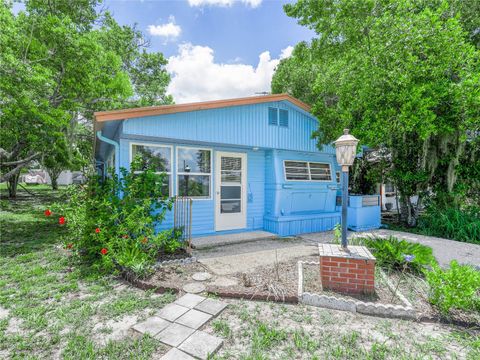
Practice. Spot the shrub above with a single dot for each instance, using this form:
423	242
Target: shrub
390	254
455	288
452	223
112	222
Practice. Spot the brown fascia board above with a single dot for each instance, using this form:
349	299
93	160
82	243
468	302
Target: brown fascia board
102	116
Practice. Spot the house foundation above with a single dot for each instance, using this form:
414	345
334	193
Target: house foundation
351	271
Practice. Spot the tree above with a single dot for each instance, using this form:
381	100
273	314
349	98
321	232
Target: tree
402	75
61	60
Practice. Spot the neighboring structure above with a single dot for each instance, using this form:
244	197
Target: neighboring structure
247	163
66	177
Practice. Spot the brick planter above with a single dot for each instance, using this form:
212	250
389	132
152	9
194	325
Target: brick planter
347	272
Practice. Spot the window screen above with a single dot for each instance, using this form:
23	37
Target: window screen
307	171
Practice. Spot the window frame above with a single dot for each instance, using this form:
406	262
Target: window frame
309	172
178	173
169	173
277	116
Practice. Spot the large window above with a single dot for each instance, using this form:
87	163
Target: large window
157	156
307	171
194	172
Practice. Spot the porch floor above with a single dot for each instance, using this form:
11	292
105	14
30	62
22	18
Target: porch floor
227	239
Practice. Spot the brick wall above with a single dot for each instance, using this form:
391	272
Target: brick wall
347	274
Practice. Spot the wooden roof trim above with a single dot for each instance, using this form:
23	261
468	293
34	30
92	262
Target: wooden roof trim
123	114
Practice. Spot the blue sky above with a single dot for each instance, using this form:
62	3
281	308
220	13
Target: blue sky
216	49
237	33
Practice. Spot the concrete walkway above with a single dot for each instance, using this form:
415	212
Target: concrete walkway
444	250
178	325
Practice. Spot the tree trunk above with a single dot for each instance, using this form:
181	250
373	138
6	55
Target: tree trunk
12	185
54	174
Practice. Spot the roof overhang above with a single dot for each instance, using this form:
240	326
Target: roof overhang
113	115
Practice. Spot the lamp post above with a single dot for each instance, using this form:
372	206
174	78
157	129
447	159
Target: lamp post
346	148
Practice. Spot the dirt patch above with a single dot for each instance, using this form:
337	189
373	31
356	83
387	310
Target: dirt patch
174	275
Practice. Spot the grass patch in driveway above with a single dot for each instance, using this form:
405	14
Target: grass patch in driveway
50	309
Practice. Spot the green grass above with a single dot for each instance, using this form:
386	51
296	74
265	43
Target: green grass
53	308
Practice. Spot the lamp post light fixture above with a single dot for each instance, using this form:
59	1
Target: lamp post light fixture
346	148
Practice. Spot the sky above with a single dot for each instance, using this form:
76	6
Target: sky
216	49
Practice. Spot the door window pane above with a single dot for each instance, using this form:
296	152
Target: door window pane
194	160
231	192
156	156
231	163
194	185
230	206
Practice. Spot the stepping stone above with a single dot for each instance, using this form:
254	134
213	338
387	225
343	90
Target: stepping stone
194	288
189	300
224	282
175	354
151	326
171	312
201	276
193	319
201	345
211	306
174	334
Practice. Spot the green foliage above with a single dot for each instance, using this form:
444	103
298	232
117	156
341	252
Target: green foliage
452	223
455	288
119	215
390	254
402	75
60	61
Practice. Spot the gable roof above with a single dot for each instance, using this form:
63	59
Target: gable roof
102	116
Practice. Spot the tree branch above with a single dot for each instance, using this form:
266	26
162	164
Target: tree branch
20	162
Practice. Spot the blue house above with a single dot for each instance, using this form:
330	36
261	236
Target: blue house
247	163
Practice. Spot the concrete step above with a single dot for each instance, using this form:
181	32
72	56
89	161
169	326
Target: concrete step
205	242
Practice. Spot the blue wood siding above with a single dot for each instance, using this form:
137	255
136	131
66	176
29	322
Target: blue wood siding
203	210
246	125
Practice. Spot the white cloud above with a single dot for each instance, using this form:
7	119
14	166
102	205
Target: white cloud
287	52
168	31
224	3
197	77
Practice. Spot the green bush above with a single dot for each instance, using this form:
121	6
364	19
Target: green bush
455	288
390	254
452	223
112	222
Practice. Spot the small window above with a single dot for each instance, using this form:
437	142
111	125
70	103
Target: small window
156	156
319	171
194	172
307	171
296	170
283	118
338	176
272	116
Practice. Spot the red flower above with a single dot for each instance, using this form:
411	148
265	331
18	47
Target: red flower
144	240
104	251
61	220
69	246
125	236
48	212
97	230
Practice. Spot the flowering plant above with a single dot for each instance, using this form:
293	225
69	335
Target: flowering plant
109	219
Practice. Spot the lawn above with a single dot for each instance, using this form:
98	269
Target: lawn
52	308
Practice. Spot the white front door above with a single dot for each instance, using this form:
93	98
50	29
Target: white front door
230	191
